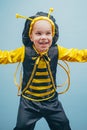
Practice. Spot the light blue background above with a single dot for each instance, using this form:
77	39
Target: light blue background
71	16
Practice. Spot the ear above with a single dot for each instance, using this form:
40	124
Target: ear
31	38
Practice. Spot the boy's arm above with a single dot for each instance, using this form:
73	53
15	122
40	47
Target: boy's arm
12	56
72	55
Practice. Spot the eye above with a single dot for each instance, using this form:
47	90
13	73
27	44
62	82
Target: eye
48	33
38	33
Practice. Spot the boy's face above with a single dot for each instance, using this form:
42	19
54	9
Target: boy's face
41	35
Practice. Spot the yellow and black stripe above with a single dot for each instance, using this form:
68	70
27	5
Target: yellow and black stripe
41	86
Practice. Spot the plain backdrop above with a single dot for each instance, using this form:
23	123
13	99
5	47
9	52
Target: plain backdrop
71	17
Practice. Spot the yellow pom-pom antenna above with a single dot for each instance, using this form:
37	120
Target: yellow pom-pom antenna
24	17
50	11
39	18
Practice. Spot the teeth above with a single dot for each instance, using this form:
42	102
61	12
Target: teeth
43	43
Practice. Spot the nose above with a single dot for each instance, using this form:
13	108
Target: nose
43	36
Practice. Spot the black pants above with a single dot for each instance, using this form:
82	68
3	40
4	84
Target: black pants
30	112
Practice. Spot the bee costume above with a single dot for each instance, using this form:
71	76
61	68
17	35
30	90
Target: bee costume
39	97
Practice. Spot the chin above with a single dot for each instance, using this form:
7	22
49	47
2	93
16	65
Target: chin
43	50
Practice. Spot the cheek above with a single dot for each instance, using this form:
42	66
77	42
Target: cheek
51	39
35	41
32	38
36	44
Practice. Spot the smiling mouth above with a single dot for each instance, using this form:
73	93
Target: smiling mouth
43	43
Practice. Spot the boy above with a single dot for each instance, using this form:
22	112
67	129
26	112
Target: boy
40	56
